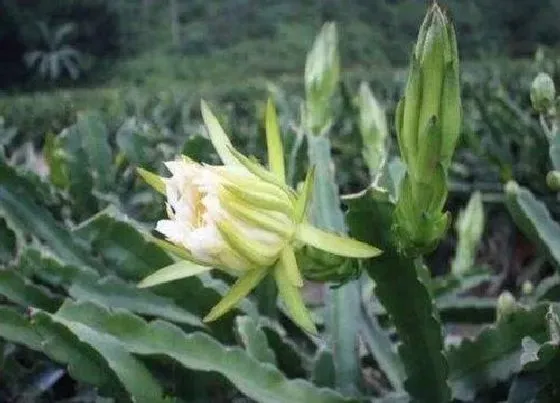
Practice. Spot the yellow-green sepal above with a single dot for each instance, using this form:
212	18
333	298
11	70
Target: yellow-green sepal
218	136
239	209
305	196
410	112
274	143
335	244
259	171
242	287
451	113
289	262
291	296
176	271
253	251
152	179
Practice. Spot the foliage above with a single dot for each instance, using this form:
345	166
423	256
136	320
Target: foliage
54	57
75	241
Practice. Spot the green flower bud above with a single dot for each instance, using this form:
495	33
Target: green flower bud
373	128
428	121
506	306
322	71
527	288
320	266
543	92
432	97
553	180
469	226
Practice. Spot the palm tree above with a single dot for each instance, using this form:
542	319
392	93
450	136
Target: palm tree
55	56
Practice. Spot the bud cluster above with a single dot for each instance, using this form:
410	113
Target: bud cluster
428	121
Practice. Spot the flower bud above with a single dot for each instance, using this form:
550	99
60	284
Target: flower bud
543	92
242	218
506	306
429	115
553	180
373	128
527	288
470	227
428	122
226	217
317	265
322	71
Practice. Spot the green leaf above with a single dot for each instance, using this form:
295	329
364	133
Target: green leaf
42	334
152	179
17	206
132	373
548	289
124	245
68	162
110	291
335	244
415	317
455	309
274	142
198	351
95	143
382	350
219	138
114	293
554	152
133	256
22	291
323	372
495	353
134	144
7	242
242	287
173	272
534	220
291	358
342	319
254	340
291	295
58	174
14	326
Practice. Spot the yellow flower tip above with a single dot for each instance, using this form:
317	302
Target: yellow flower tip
209	318
155	181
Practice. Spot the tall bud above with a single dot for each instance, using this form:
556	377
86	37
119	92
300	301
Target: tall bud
322	71
373	128
428	121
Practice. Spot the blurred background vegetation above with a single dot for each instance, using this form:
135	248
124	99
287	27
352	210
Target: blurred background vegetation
218	43
60	57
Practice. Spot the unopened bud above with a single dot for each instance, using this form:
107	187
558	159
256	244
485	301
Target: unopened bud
553	180
506	306
543	92
322	71
317	265
527	288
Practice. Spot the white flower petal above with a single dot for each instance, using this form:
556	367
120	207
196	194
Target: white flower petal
173	230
